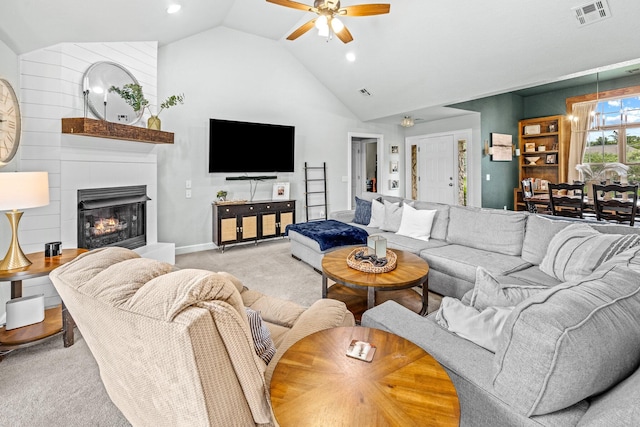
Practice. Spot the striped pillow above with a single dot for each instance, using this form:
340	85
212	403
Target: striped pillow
577	250
262	342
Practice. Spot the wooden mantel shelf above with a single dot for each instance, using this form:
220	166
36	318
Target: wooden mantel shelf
104	129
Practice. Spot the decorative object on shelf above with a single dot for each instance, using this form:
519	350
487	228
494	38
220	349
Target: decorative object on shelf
552	128
20	190
551	159
359	260
532	160
407	122
96	82
280	191
221	195
377	245
10	122
134	96
542	148
529	147
502	147
532	129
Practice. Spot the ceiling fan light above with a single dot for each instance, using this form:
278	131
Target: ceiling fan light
321	22
407	122
336	25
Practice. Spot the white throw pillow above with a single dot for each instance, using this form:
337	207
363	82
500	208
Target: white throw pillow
416	223
482	327
488	292
377	214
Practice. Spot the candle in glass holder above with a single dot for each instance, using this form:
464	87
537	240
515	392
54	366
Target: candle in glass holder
377	245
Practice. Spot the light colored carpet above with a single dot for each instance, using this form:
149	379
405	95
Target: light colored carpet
49	385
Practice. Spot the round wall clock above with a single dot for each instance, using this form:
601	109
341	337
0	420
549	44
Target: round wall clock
9	122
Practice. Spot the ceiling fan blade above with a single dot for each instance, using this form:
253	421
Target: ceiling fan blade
292	4
345	35
364	9
302	29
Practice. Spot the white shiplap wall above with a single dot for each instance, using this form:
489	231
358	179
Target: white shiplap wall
50	89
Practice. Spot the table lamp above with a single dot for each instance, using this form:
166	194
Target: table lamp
20	190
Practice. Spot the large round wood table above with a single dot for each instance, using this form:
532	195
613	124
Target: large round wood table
316	384
410	271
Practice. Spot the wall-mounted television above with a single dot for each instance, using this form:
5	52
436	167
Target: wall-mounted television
250	147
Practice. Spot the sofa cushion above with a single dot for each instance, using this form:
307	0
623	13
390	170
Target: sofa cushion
530	276
462	261
415	246
416	223
377	214
488	292
570	342
538	234
262	342
578	249
489	229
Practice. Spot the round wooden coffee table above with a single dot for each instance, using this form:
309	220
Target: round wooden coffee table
316	384
410	271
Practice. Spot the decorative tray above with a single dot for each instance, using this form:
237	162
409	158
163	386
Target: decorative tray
367	266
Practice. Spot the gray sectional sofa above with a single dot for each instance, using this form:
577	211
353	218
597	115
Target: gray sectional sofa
568	355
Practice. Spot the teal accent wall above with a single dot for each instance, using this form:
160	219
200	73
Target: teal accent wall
498	114
501	113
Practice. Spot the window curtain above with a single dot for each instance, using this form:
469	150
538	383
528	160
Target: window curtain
579	130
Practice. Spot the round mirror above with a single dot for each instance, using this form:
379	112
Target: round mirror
106	105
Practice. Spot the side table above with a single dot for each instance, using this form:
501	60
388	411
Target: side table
315	384
56	319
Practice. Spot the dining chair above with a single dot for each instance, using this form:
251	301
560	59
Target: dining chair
616	202
527	194
567	199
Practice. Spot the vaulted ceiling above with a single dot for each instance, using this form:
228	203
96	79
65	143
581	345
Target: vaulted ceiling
415	60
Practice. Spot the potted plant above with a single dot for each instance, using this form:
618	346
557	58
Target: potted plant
133	95
221	195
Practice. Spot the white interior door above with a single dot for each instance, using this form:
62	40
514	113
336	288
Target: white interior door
356	169
436	169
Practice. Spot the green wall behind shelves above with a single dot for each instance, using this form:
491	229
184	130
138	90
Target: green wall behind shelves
501	113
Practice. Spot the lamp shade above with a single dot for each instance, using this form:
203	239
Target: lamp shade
23	190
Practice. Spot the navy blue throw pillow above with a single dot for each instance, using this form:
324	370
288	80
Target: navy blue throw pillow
363	211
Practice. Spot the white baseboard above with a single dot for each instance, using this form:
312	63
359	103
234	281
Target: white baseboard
195	248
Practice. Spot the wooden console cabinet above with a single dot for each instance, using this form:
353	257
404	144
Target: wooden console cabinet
251	221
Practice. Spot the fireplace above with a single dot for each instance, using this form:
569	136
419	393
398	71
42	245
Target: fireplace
114	216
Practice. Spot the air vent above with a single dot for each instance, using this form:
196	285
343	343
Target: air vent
591	12
365	92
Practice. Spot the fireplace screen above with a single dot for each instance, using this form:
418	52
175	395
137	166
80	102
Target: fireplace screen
112	217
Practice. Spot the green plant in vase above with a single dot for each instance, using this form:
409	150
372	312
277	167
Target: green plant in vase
133	95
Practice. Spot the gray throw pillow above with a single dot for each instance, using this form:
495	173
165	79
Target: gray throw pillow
262	342
577	250
488	292
392	216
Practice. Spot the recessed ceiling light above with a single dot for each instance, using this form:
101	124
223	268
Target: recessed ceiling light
351	57
173	8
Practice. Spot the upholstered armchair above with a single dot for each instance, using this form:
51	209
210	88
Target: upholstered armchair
175	347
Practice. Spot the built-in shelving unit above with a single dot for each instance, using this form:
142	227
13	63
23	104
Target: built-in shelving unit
105	129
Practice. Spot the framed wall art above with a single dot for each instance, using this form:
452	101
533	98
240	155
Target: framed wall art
280	191
394	184
502	147
393	167
395	149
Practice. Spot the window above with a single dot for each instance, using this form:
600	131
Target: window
614	135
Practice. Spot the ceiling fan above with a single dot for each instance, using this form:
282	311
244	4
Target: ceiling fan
328	12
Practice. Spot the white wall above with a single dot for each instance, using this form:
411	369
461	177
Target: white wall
227	74
50	89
